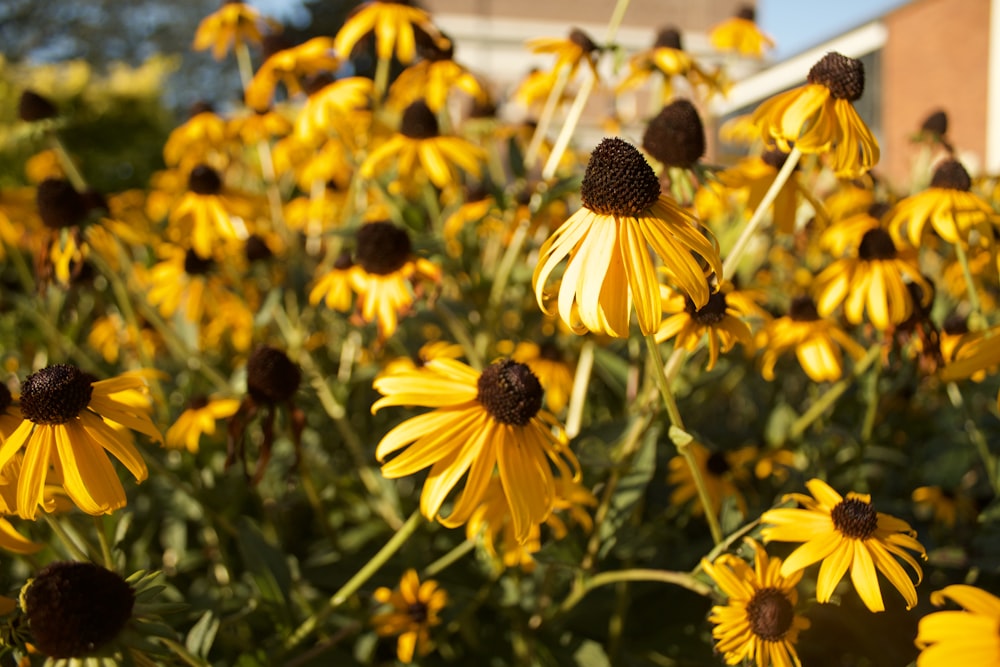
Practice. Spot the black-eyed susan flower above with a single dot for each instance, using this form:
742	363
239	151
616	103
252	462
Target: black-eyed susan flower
202	139
185	282
675	136
419	148
819	117
206	214
289	67
436	349
387	274
334	287
570	51
10	415
721	320
608	243
845	534
754	175
952	210
199	419
548	362
416	607
740	34
393	24
722	471
434	79
973	354
64	212
816	341
11	540
758	624
328	109
873	281
967	637
71	421
668	57
947	507
232	24
482	422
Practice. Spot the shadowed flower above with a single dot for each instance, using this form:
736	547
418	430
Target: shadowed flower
668	57
393	24
234	23
434	79
819	117
758	623
721	320
967	637
570	51
946	506
415	609
740	34
721	471
334	287
290	67
206	214
70	422
845	533
608	243
481	422
197	420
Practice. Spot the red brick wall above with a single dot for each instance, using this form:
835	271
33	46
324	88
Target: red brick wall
935	57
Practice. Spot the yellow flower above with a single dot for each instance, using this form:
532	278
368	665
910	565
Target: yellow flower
974	353
415	609
393	25
200	140
433	79
69	421
199	419
438	349
967	637
608	244
418	143
875	280
816	341
334	287
758	623
547	362
819	117
481	422
953	211
741	34
721	319
946	506
755	174
206	214
721	471
290	66
234	23
327	110
668	57
570	51
383	274
845	533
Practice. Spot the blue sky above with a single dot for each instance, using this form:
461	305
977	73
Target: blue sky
796	25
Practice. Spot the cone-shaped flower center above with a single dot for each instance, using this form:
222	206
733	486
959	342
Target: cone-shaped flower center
419	122
803	309
204	180
33	106
583	40
343	261
770	613
711	313
668	38
775	158
936	123
951	175
59	204
747	13
195	264
74	608
382	247
676	136
5	398
855	518
271	376
876	244
717	465
56	394
618	180
417	612
198	402
845	77
256	249
510	392
956	324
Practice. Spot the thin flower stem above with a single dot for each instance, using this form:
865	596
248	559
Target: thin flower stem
66	162
72	547
548	111
975	314
357	581
578	397
683	448
457	329
977	437
510	257
582	95
871	410
102	539
183	653
449	558
682	579
55	336
733	258
381	78
245	64
825	401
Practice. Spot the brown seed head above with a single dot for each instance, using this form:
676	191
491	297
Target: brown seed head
951	175
583	40
711	313
676	136
272	377
382	248
196	265
56	394
770	613
845	77
510	392
419	122
33	106
668	38
877	244
59	204
618	180
204	180
803	309
855	518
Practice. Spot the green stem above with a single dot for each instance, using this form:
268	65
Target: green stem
381	79
244	63
102	539
71	546
578	397
825	401
357	581
871	410
733	258
682	579
507	261
449	558
975	315
656	362
548	111
66	162
181	652
977	438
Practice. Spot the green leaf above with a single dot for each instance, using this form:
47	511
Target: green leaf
631	489
267	567
199	640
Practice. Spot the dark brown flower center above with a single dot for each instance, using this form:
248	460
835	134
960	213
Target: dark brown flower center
676	136
747	13
195	264
417	612
256	249
845	77
56	394
855	518
33	106
198	402
717	465
583	40
618	180
343	261
876	244
956	324
951	175
936	123
5	398
510	392
59	203
550	351
271	376
803	309
419	122
878	209
75	608
775	158
668	38
431	48
382	247
711	313
770	614
204	180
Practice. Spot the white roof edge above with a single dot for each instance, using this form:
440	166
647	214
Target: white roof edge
856	43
